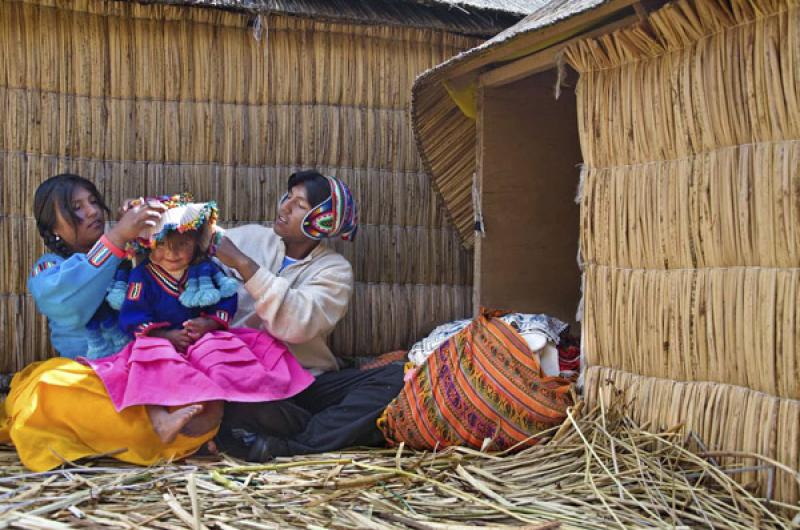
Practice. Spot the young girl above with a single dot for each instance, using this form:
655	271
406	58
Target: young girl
178	304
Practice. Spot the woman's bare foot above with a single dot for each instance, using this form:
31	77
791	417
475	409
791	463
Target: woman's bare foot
207	420
168	424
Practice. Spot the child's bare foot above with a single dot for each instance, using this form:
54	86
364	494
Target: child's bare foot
206	420
168	424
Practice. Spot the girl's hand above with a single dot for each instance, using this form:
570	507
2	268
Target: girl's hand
134	221
197	327
178	337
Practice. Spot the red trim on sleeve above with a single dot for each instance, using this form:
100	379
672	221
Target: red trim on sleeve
145	328
220	317
115	250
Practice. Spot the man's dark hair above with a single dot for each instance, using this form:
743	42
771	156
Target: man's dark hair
317	187
54	194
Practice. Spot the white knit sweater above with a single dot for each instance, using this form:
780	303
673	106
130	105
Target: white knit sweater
299	305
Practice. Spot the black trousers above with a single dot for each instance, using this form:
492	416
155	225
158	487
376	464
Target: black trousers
338	410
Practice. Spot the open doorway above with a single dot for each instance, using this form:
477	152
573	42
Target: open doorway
528	160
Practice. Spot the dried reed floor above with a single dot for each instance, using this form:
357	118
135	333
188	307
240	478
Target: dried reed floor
598	470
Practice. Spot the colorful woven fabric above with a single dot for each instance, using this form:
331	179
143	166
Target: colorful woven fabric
483	383
335	216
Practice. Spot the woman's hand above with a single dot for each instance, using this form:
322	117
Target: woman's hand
230	255
124	207
134	220
197	327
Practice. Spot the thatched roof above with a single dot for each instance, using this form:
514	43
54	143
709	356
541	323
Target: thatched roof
470	17
523	7
450	158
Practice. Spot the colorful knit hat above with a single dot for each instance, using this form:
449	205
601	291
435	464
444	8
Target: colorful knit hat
335	216
206	284
182	215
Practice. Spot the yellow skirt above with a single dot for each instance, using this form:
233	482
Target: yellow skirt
58	410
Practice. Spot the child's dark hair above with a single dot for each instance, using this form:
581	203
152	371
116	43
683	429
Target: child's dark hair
55	195
317	187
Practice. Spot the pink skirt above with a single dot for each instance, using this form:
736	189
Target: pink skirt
234	365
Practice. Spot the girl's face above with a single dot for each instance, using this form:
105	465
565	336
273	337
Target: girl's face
175	253
90	223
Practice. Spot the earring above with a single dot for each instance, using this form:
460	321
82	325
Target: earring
58	237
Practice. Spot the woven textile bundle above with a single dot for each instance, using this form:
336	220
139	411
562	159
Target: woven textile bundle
482	388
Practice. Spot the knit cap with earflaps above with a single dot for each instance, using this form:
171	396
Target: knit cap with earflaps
206	284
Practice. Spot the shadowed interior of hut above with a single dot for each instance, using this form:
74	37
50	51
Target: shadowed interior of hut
528	171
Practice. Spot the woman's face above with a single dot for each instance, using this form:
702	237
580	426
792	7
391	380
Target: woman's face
90	223
175	253
291	213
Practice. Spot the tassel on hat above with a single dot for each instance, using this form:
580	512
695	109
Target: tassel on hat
207	292
227	286
188	295
206	285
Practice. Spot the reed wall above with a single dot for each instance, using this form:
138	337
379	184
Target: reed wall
690	202
151	99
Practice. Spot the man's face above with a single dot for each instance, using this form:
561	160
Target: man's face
291	213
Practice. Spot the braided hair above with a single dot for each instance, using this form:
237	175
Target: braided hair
53	197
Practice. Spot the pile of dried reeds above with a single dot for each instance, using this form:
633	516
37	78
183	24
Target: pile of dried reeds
731	419
598	470
146	98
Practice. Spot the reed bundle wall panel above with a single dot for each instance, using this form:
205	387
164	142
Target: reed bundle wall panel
726	418
738	325
690	202
153	99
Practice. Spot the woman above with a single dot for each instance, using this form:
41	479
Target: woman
58	410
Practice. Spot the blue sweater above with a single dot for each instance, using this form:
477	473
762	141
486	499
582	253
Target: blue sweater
152	300
71	292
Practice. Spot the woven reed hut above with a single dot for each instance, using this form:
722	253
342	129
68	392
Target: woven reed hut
679	126
225	98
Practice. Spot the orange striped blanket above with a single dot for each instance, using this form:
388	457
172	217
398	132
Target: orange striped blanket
482	383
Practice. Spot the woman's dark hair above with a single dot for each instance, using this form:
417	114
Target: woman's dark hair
317	187
55	194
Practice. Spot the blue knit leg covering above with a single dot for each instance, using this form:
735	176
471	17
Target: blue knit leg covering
116	294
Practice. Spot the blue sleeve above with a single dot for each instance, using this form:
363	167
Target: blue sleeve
136	316
223	310
69	291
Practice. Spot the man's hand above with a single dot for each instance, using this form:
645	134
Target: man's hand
229	254
178	337
197	327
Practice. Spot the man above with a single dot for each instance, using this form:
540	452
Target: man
297	290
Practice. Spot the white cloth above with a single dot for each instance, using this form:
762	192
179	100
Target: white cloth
524	323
